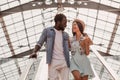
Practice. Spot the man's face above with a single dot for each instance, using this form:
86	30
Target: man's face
63	24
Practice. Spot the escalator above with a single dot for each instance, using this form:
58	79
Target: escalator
37	69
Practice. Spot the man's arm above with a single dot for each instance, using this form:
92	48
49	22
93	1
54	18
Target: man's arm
69	43
36	49
39	44
34	54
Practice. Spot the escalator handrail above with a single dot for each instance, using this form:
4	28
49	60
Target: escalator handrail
27	68
106	65
96	75
42	71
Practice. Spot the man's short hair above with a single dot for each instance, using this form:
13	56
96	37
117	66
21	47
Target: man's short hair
59	17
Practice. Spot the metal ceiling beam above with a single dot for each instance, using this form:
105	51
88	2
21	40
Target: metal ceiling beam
26	32
7	35
9	42
90	5
113	34
20	55
28	52
104	54
98	7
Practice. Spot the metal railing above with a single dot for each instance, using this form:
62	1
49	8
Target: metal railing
105	64
30	70
27	68
42	71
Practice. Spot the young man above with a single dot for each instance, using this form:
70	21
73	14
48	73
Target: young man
57	49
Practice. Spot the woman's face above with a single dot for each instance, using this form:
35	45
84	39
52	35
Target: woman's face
75	27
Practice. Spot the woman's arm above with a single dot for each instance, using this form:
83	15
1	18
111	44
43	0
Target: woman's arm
88	42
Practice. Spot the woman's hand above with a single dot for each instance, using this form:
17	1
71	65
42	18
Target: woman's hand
86	44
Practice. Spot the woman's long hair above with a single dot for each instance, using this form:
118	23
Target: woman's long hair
80	26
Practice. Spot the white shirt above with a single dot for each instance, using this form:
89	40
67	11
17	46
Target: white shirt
58	46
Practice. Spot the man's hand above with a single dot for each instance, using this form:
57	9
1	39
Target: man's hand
33	55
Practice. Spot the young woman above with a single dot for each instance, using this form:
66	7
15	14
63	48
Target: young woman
79	43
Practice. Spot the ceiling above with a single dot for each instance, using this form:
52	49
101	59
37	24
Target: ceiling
22	21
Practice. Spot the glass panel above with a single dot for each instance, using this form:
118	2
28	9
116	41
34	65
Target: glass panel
90	21
99	33
118	30
3	2
89	30
107	35
115	46
109	27
27	14
13	4
117	38
25	1
92	13
115	65
4	7
113	52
